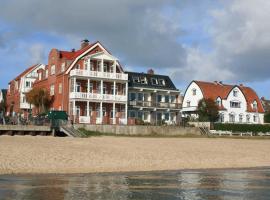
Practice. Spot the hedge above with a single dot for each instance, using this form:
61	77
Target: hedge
255	128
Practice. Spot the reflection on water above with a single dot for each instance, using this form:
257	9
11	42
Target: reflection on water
199	184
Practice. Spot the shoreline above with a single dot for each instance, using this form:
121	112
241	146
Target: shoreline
201	170
28	155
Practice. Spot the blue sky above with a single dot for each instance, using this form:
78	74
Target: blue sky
186	39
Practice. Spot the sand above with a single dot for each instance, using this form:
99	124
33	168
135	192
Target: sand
29	154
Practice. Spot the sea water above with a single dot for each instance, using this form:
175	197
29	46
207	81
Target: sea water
183	184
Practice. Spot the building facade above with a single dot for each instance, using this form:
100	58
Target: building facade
153	99
89	84
17	89
237	103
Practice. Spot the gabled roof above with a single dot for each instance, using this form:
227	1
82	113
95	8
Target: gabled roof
213	90
168	85
25	72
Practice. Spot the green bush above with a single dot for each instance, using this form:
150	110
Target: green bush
267	117
255	128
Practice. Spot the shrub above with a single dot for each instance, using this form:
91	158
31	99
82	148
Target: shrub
255	128
267	117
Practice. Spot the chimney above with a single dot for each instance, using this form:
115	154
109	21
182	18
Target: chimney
84	43
216	82
72	50
241	85
220	82
150	71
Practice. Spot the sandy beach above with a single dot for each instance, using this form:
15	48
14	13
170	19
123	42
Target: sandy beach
28	154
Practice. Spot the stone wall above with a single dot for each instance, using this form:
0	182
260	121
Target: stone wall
142	130
200	124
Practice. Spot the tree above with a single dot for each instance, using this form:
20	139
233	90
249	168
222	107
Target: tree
40	98
267	117
208	110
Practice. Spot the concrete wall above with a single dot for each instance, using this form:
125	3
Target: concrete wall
142	130
200	124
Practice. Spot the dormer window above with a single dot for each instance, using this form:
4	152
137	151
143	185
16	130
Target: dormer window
235	93
161	81
194	92
77	66
255	105
188	103
143	80
154	81
218	101
235	104
136	79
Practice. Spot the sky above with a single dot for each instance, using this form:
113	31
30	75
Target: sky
210	40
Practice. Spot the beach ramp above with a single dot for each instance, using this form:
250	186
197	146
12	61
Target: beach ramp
71	131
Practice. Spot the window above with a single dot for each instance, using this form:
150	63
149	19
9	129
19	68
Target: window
154	81
99	66
105	67
77	66
60	88
161	81
221	117
136	79
231	118
167	116
167	99
24	100
46	73
235	104
132	96
140	115
255	105
78	110
52	69
111	68
143	80
255	118
140	96
173	99
104	88
235	93
194	91
159	98
52	90
27	84
92	66
116	89
218	101
39	76
131	114
63	65
188	103
91	88
248	118
240	118
103	111
78	87
85	63
98	112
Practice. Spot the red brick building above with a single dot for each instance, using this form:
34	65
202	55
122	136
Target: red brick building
89	84
18	87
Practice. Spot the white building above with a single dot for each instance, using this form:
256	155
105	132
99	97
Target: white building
237	103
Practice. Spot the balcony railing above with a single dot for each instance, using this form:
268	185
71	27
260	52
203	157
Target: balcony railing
155	104
96	96
98	74
84	119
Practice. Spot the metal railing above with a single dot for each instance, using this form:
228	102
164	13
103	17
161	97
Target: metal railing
97	96
155	104
98	74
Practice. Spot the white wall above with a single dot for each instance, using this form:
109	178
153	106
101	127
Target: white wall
194	99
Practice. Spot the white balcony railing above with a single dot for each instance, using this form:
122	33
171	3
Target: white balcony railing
25	106
97	74
96	96
84	119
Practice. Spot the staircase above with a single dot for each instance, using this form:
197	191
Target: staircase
71	131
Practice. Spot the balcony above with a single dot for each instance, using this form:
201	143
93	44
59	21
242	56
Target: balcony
24	106
84	120
99	97
98	74
155	104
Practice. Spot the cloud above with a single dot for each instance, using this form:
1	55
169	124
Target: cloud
37	53
140	32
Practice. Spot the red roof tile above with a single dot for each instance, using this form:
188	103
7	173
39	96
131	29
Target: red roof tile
213	90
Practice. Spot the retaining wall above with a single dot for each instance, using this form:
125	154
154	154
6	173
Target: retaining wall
142	130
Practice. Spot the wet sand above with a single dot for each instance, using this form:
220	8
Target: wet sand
28	154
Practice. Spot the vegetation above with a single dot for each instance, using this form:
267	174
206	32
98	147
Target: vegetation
40	98
208	110
255	128
267	117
